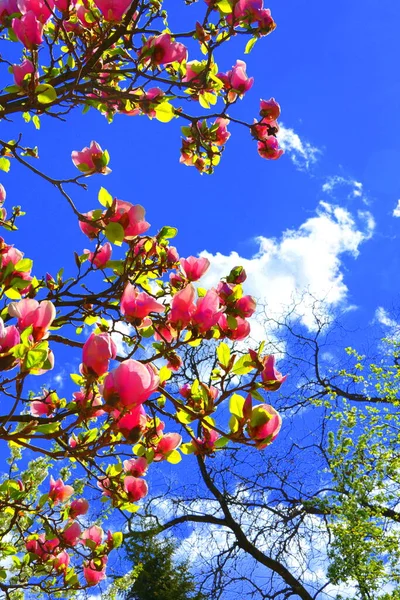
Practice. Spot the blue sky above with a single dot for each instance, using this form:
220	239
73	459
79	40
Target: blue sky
333	69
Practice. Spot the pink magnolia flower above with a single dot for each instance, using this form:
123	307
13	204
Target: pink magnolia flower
182	307
31	312
131	217
236	81
138	305
113	10
269	148
207	311
2	194
130	384
205	444
95	570
91	160
241	331
164	334
161	50
9	337
28	30
266	23
61	561
20	71
104	484
78	507
221	134
172	255
92	534
100	256
135	488
248	9
271	378
87	401
265	424
41	10
132	424
41	547
45	405
58	491
269	110
71	534
90	230
8	7
194	268
246	305
96	354
136	466
168	443
63	5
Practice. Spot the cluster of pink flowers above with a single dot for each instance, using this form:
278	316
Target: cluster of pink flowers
265	131
203	141
162	50
131	218
10	257
252	13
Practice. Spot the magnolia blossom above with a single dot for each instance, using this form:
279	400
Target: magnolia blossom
240	332
271	378
96	354
161	50
113	10
130	384
131	218
168	443
2	194
101	255
87	401
182	307
131	424
135	488
40	8
205	444
138	305
95	570
92	534
221	132
71	534
61	561
136	466
265	424
269	148
246	305
42	547
194	268
78	507
20	71
91	160
31	312
207	311
236	80
269	110
58	491
29	30
45	405
9	337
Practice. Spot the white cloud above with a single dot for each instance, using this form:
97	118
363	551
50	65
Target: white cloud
302	153
356	188
308	259
396	211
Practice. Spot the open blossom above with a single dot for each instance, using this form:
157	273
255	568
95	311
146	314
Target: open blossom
87	402
20	71
135	488
265	424
113	10
90	230
31	312
132	424
131	218
271	378
240	332
207	311
94	571
269	110
136	466
96	354
221	132
205	444
93	534
59	492
7	8
130	384
138	305
28	30
91	160
236	80
182	307
269	148
42	547
194	268
9	337
71	534
61	561
44	406
78	507
168	443
100	257
245	306
161	50
41	9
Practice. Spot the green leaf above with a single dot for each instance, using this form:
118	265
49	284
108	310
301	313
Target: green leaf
46	94
224	6
24	265
35	359
118	538
4	164
236	404
164	112
48	428
105	198
115	233
164	374
36	121
221	442
243	365
250	45
174	457
223	354
167	232
13	294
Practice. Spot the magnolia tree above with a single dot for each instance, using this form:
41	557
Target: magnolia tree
117	56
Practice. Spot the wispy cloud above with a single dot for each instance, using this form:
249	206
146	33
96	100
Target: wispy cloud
302	153
396	210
